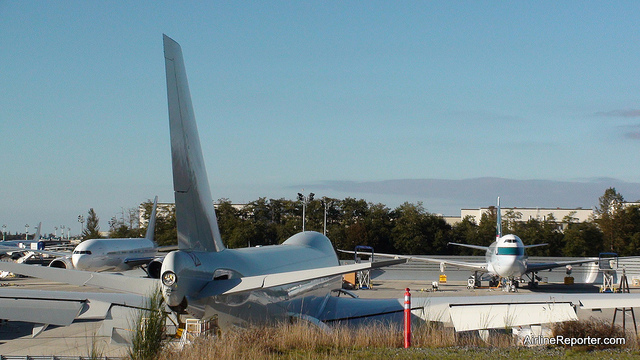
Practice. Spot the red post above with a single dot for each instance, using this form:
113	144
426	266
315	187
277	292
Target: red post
407	319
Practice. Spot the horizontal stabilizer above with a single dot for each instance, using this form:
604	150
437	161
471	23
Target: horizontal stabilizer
132	285
477	247
250	283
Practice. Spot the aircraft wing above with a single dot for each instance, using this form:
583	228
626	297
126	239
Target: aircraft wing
167	248
250	283
5	249
113	281
533	267
139	261
462	264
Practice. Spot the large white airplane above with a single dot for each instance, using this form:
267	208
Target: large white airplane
203	277
294	279
506	258
116	254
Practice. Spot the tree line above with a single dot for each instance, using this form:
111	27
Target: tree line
409	228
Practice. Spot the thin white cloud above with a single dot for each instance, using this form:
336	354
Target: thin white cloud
623	113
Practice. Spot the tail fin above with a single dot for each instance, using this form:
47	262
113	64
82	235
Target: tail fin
195	214
36	236
152	220
499	221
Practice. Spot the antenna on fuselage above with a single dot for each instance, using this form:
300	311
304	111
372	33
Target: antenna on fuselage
499	222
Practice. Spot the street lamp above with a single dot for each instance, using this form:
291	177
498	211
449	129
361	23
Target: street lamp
326	204
305	200
81	221
62	232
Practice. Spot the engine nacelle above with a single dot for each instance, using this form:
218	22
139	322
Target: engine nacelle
62	263
154	268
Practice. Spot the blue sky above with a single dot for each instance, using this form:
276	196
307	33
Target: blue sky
316	95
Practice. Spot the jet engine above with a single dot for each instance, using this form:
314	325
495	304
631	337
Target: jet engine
62	263
154	268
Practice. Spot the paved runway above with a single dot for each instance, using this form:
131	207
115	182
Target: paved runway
77	339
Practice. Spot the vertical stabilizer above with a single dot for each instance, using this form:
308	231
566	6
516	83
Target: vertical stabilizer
152	220
499	221
36	236
195	215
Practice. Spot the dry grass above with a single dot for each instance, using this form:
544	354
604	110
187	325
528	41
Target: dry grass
304	341
594	328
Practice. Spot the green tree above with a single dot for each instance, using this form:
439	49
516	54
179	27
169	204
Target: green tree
582	239
609	205
126	226
418	232
92	230
465	232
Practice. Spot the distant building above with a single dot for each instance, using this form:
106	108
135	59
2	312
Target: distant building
540	214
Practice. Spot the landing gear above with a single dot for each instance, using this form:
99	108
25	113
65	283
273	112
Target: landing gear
474	281
494	281
533	280
509	285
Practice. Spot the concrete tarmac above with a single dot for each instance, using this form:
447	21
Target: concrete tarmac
79	338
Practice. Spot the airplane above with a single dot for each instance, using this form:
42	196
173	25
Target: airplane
299	278
203	278
505	259
18	248
22	244
117	254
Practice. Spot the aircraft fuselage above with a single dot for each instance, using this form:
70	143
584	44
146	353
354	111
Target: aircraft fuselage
110	254
506	257
193	270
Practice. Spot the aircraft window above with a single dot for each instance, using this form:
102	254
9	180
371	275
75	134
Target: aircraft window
88	252
510	251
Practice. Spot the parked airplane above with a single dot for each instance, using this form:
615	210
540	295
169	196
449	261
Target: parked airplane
505	259
11	245
203	278
117	254
293	279
18	248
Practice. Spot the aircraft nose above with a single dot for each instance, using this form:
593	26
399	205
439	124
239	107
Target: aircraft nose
78	261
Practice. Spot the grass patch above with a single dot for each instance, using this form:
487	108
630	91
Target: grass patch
304	341
149	327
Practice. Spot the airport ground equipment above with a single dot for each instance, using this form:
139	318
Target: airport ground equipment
624	288
608	264
363	277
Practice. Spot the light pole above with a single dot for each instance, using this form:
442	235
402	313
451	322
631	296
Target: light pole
326	204
81	221
62	232
4	228
305	200
55	232
26	231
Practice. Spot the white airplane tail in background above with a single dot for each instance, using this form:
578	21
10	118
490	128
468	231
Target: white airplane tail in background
152	220
499	221
195	214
